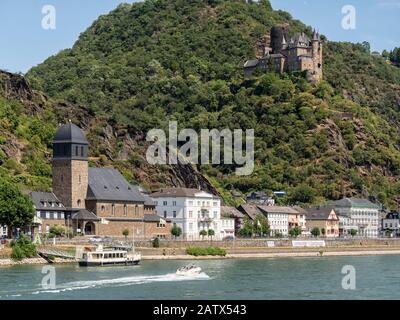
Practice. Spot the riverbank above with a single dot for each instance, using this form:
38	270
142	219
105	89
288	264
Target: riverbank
238	253
266	255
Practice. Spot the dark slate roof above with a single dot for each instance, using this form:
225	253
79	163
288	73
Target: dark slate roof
85	215
231	212
393	215
251	63
154	218
44	201
178	193
70	133
148	201
318	213
355	203
250	210
278	209
109	185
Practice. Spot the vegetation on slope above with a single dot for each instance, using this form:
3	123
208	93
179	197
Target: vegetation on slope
147	63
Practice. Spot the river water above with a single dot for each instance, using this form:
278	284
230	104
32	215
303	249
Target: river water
377	277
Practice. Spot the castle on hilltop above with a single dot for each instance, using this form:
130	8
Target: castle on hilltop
281	53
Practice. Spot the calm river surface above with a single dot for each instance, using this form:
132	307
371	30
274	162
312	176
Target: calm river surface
377	277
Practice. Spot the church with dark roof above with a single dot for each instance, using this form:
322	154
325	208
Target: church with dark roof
93	201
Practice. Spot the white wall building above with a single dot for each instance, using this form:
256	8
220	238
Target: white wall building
227	227
192	210
359	214
278	218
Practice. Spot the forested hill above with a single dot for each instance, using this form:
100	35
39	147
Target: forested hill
147	63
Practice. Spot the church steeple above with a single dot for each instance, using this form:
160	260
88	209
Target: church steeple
70	165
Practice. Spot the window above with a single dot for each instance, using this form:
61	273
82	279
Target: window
82	153
174	203
190	214
191	226
174	214
215	203
79	203
190	202
165	203
125	210
47	215
136	209
113	209
62	216
165	214
103	208
76	150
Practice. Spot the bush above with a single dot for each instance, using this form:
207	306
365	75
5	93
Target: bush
209	251
23	248
156	243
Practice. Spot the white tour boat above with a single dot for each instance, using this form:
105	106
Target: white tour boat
190	270
106	257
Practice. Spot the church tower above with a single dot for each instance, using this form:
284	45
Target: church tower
70	165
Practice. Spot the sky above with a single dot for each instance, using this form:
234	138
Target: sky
25	43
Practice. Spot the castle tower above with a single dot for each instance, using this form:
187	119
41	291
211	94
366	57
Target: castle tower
316	75
70	166
279	34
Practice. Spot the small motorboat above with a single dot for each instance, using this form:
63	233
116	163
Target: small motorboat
189	270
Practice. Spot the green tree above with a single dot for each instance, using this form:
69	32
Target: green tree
353	232
261	225
56	231
211	233
247	229
295	232
203	233
303	193
125	233
315	232
176	231
16	209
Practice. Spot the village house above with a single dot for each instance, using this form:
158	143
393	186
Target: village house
233	214
391	224
325	219
360	215
192	210
93	201
259	197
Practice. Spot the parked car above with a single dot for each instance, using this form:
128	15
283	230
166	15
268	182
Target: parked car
96	239
107	239
229	238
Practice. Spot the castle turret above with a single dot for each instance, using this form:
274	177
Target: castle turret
70	165
316	74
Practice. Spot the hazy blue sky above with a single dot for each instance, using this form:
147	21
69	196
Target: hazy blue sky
377	21
24	43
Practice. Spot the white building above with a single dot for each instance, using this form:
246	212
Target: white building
192	210
278	218
358	214
391	224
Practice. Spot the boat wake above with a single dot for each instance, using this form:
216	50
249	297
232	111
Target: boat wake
124	281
